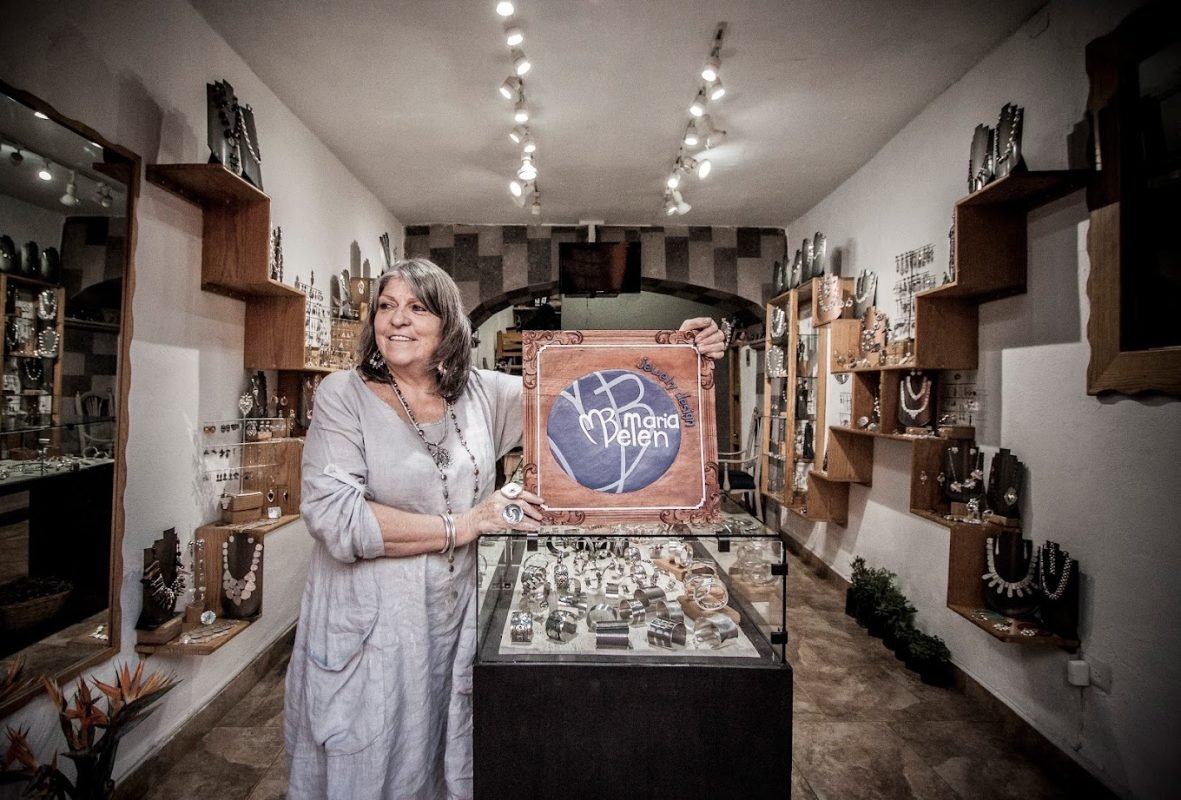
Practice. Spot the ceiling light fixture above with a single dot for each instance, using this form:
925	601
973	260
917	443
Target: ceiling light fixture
518	134
528	145
697	107
511	87
45	173
521	63
40	115
513	35
670	205
16	157
528	170
691	139
709	73
716	90
704	168
521	110
102	195
713	134
504	8
70	198
681	206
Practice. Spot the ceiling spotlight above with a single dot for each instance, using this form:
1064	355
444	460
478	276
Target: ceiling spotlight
70	198
710	71
535	209
716	89
513	35
674	180
504	8
691	138
16	157
697	108
39	115
681	206
511	87
713	136
528	170
519	133
44	173
521	111
670	205
528	145
102	195
704	168
521	63
522	191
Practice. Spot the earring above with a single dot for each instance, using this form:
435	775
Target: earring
376	361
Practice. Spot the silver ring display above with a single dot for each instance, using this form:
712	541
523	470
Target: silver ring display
511	490
512	514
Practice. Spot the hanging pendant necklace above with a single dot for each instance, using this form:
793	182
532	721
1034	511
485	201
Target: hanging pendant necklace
432	449
924	394
1009	588
1063	579
240	589
439	454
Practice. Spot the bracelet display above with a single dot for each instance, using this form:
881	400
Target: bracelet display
613	636
666	633
714	631
560	626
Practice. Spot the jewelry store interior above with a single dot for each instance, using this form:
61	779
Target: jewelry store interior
904	537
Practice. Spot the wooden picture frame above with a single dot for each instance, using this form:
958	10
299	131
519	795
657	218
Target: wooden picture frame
1130	241
620	427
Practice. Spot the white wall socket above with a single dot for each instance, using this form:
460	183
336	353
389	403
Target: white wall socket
1078	672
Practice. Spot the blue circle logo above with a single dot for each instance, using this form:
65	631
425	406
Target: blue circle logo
614	431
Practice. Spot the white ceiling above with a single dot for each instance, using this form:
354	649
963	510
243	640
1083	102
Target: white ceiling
405	93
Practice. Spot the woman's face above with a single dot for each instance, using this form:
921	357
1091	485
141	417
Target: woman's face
407	334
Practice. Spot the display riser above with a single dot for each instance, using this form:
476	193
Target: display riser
602	730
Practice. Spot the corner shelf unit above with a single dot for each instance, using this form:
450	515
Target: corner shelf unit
235	260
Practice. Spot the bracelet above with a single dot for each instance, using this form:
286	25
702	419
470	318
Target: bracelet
600	613
666	633
612	636
560	626
714	630
449	532
711	595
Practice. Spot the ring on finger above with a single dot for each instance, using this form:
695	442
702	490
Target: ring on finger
512	513
512	490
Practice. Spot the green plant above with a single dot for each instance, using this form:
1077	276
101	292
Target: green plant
92	735
928	649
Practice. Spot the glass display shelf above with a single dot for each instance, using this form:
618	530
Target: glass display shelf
670	594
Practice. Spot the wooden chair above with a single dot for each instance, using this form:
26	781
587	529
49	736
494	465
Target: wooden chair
740	469
509	350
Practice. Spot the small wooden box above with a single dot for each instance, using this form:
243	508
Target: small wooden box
239	517
242	501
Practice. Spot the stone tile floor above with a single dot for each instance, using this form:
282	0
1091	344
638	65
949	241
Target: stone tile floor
864	726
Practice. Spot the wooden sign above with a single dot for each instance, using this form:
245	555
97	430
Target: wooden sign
619	426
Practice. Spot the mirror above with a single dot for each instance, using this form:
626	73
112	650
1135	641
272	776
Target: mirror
1135	200
66	232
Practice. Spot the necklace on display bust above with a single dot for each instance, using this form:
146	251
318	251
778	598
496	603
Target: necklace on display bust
1063	579
922	395
239	590
1009	588
439	454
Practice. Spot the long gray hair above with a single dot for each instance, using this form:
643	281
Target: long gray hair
452	360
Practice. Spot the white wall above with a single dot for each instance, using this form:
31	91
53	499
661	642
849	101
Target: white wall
23	222
1101	471
136	73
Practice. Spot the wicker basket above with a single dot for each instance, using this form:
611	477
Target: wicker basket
41	599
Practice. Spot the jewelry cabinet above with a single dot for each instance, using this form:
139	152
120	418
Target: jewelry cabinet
662	621
33	337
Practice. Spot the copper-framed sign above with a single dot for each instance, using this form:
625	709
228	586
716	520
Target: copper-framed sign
620	426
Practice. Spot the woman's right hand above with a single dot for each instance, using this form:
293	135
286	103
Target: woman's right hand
490	515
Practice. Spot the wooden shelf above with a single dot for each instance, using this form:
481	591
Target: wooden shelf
1012	634
828	500
236	247
175	648
933	516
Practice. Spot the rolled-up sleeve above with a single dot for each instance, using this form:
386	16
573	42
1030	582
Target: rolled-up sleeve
335	476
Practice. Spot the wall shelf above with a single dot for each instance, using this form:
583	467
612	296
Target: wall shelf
175	648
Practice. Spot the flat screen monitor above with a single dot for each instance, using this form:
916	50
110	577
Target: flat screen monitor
598	268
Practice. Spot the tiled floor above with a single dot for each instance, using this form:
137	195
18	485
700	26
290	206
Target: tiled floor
864	726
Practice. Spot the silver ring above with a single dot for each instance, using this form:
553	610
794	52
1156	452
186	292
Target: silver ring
512	513
511	490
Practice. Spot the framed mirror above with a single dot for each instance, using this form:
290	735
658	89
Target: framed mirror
67	228
1135	201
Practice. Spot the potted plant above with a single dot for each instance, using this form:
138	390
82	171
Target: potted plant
931	659
91	734
856	586
904	633
878	583
897	612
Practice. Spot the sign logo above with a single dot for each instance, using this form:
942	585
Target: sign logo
614	431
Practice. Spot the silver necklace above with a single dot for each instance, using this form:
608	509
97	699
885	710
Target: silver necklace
240	589
1063	579
1010	588
925	394
434	449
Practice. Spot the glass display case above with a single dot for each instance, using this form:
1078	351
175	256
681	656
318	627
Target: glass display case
627	640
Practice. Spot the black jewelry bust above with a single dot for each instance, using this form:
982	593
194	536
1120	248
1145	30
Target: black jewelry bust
1010	585
163	582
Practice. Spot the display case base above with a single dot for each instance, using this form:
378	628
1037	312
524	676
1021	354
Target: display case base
632	730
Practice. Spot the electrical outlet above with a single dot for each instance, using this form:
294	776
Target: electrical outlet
1100	675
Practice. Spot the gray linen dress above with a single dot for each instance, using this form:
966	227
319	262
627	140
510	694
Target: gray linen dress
378	701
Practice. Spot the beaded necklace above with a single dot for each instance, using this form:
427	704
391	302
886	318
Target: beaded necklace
439	454
1009	588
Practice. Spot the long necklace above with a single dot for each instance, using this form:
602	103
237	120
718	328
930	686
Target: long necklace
240	589
439	454
449	410
34	370
924	394
1063	579
1010	588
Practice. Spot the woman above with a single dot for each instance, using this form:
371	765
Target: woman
398	473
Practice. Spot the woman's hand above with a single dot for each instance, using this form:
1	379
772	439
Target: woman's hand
491	515
710	340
